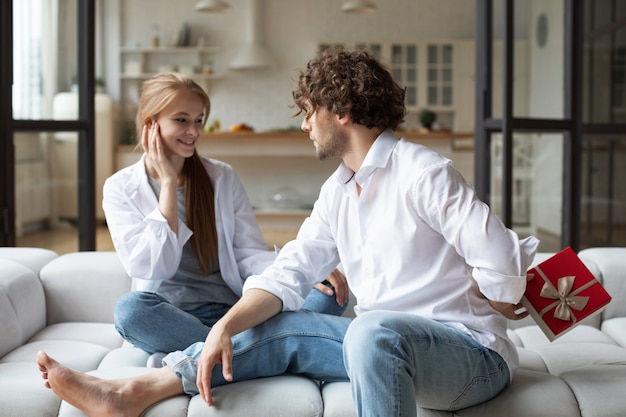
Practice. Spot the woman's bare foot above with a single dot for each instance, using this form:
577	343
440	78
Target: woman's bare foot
94	396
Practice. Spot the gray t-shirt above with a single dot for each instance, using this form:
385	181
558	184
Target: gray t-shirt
188	288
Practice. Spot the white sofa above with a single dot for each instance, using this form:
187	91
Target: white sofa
63	304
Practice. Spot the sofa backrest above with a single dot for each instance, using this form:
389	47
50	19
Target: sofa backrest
83	287
33	258
610	264
22	305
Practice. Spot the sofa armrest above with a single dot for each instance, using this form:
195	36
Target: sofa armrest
611	270
33	258
22	305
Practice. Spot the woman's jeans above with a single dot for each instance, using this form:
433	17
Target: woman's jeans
149	322
296	342
395	362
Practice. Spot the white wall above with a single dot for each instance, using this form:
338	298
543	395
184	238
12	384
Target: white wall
260	97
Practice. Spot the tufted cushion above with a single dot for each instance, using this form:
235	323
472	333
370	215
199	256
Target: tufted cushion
22	305
610	264
615	328
83	287
32	258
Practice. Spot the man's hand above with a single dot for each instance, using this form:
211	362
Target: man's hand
337	280
218	348
511	311
254	307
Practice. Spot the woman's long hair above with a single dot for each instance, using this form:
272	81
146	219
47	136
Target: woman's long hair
156	93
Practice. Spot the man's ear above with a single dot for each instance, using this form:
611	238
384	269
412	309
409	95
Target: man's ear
345	119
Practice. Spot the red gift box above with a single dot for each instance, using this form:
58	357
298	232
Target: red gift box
562	293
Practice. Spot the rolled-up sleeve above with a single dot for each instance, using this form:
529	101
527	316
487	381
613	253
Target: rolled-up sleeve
146	245
507	288
498	258
301	263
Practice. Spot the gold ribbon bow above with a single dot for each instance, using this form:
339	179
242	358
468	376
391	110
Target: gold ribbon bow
566	299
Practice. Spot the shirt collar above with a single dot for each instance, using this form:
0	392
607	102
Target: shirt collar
376	157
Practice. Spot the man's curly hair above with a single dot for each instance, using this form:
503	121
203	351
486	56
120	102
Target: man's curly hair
354	83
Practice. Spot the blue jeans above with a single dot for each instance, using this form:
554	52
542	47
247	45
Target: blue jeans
151	323
397	360
296	342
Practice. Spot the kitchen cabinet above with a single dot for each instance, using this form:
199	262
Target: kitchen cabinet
279	162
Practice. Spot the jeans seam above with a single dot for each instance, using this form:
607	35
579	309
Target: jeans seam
396	379
281	336
490	378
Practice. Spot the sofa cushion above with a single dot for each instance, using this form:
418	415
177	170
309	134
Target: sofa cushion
123	357
22	305
599	389
284	395
82	356
610	264
528	396
565	357
103	334
23	393
582	346
531	394
531	360
532	337
337	398
83	287
32	258
615	328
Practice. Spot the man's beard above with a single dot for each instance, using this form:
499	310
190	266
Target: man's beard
335	146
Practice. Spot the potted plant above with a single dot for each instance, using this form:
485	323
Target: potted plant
100	84
427	118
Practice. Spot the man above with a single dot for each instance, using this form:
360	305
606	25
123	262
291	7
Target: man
434	272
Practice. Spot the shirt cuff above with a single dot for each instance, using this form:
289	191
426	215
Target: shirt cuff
291	299
184	232
508	288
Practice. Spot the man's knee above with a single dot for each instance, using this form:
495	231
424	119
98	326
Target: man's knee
364	333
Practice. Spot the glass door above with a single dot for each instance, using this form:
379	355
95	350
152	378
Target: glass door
48	123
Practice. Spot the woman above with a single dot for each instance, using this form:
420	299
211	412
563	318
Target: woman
183	227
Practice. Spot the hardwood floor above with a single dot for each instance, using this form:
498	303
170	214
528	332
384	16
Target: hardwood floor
64	239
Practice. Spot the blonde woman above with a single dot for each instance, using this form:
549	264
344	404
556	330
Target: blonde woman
183	227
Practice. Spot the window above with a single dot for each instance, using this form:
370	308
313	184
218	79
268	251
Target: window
424	68
404	65
439	67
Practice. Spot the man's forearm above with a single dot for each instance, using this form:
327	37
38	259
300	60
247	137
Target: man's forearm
254	307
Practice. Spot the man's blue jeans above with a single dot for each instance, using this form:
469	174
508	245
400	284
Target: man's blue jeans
397	360
394	360
149	322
